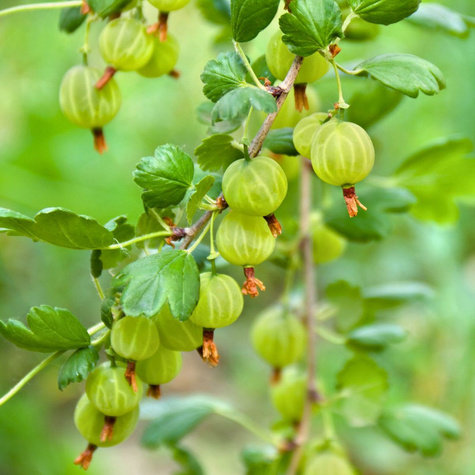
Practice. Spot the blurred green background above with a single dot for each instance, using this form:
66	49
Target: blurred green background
45	161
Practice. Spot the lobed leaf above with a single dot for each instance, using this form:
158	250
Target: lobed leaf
384	12
218	152
77	367
376	337
201	189
250	17
70	19
105	8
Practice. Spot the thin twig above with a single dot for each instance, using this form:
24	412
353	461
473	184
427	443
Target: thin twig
285	87
310	301
40	6
192	231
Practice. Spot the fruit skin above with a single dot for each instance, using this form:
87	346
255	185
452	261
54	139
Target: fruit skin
220	302
305	131
135	338
163	59
255	187
342	153
110	393
163	366
328	463
176	335
89	422
278	337
279	59
360	30
83	104
328	245
169	5
289	116
288	395
125	44
244	240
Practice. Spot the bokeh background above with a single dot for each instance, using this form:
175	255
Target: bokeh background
45	161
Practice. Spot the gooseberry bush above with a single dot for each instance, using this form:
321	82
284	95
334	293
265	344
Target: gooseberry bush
261	189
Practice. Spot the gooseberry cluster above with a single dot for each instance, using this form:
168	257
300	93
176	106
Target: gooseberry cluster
91	99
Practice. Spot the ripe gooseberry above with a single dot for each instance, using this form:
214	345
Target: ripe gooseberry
343	154
305	130
288	395
254	187
163	59
278	337
169	5
176	335
359	29
328	245
109	392
328	463
86	106
163	366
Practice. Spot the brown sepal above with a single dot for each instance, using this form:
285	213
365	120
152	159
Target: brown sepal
85	458
209	350
301	99
174	74
287	6
274	225
85	8
108	429
100	144
154	391
106	77
130	375
177	234
276	375
221	203
334	50
352	201
252	283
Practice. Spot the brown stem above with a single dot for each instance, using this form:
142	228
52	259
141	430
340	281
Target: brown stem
130	375
106	77
177	234
100	144
284	89
108	429
301	99
252	283
209	351
303	429
85	458
274	225
154	391
352	201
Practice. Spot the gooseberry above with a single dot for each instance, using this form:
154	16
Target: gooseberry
169	5
305	131
163	59
288	395
328	463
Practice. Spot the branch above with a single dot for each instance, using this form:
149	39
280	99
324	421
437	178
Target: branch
40	6
310	301
192	231
284	89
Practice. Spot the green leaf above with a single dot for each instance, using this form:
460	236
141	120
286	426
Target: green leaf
375	223
149	282
165	177
376	337
265	460
51	329
57	226
222	75
349	304
237	104
122	231
104	8
70	19
218	152
441	18
77	367
436	176
384	12
205	112
197	196
189	464
281	141
250	17
372	103
364	385
173	418
405	73
311	26
419	428
215	11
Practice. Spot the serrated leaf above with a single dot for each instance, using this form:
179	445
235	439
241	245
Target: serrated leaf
436	176
215	11
189	464
384	12
222	75
173	418
311	26
149	282
250	17
281	142
364	385
104	8
50	329
77	367
205	111
217	152
237	104
165	177
439	17
348	301
405	73
70	19
375	223
57	226
419	428
197	196
375	337
372	103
